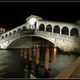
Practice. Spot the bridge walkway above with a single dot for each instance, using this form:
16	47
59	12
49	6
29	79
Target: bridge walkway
76	73
72	71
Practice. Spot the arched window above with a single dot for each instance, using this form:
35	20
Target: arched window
65	30
6	35
24	28
10	34
18	30
14	32
49	28
41	27
74	32
56	29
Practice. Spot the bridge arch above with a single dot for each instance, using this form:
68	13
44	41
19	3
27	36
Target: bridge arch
74	32
49	28
56	29
65	30
24	37
41	27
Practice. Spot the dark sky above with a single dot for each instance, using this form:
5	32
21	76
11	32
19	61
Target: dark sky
15	14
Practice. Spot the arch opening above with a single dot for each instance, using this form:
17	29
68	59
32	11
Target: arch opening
49	28
65	30
10	34
41	27
18	30
74	32
14	32
56	29
6	35
2	37
24	28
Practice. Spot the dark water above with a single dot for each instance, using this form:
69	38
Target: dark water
11	65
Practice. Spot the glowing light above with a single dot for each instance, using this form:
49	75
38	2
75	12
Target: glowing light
32	21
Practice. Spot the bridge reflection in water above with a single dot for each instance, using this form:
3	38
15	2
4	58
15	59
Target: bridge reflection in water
12	65
42	61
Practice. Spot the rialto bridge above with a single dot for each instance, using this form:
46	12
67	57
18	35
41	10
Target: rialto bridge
36	33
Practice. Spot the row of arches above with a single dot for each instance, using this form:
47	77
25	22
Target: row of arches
56	29
14	32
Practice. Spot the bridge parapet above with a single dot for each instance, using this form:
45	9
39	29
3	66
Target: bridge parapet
57	36
15	30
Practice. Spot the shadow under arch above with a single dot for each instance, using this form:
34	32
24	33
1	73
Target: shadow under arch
14	42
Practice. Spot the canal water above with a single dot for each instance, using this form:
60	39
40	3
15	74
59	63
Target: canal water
11	65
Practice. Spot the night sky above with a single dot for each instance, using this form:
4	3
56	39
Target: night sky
15	14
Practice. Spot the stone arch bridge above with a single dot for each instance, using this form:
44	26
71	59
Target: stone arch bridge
66	36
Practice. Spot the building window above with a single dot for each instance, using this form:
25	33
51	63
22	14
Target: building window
49	28
74	32
41	27
56	29
65	30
